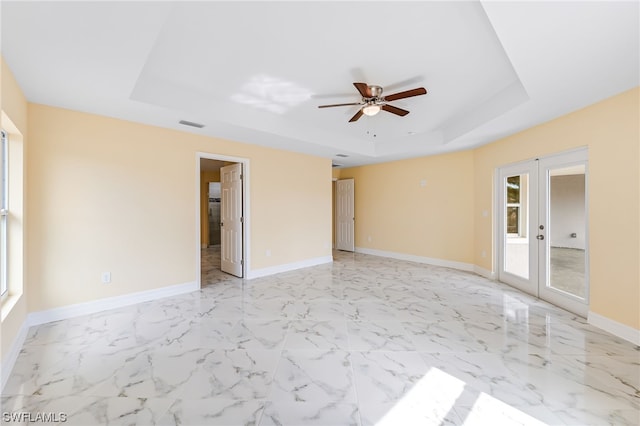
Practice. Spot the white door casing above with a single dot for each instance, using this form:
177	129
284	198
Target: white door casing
345	215
231	219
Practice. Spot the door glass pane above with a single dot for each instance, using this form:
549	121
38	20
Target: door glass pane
513	220
566	230
516	256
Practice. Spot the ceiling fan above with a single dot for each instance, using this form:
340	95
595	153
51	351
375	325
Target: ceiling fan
373	101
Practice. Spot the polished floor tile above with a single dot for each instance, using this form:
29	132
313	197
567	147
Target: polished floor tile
363	341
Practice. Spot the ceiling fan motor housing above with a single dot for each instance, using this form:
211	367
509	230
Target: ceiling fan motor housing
375	91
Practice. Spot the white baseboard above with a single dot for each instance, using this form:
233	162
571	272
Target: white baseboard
617	329
10	359
70	311
420	259
484	272
263	272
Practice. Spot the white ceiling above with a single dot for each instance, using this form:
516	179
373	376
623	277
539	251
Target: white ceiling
256	71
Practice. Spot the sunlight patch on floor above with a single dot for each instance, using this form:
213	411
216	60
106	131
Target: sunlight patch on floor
431	398
435	400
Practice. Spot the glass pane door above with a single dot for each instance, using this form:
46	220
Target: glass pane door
542	230
516	255
517	259
563	212
567	212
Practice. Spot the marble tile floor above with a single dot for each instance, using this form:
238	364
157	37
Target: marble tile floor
364	341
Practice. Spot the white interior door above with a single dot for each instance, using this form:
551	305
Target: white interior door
231	219
543	241
345	215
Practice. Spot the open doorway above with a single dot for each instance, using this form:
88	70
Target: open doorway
213	214
221	212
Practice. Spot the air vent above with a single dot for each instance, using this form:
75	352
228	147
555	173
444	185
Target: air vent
336	165
342	155
191	123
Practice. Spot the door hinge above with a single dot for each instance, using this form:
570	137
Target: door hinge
241	219
242	261
240	176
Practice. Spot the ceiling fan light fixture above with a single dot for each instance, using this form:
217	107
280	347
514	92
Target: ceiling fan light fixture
372	101
371	109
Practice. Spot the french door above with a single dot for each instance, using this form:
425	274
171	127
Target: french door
542	231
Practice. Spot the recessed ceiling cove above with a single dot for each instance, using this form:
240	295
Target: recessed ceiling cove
256	72
269	65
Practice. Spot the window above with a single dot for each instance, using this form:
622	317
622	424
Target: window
4	211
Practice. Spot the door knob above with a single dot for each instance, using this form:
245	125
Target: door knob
540	237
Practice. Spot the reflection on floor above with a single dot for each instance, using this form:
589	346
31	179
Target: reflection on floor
366	340
210	267
567	270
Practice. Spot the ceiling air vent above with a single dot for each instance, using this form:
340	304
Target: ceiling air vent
191	123
342	155
336	165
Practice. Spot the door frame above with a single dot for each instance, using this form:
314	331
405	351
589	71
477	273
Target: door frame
246	226
525	285
573	156
555	296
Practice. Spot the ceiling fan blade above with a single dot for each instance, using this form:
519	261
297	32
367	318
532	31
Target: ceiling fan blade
336	105
406	94
395	110
404	83
357	116
363	88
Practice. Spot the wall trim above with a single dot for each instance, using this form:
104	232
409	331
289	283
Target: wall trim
271	270
484	272
616	328
10	360
420	259
85	308
71	311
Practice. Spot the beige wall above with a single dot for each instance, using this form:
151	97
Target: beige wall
14	120
610	130
110	195
401	216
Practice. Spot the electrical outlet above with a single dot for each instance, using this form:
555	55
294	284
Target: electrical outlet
484	253
106	277
369	238
268	253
